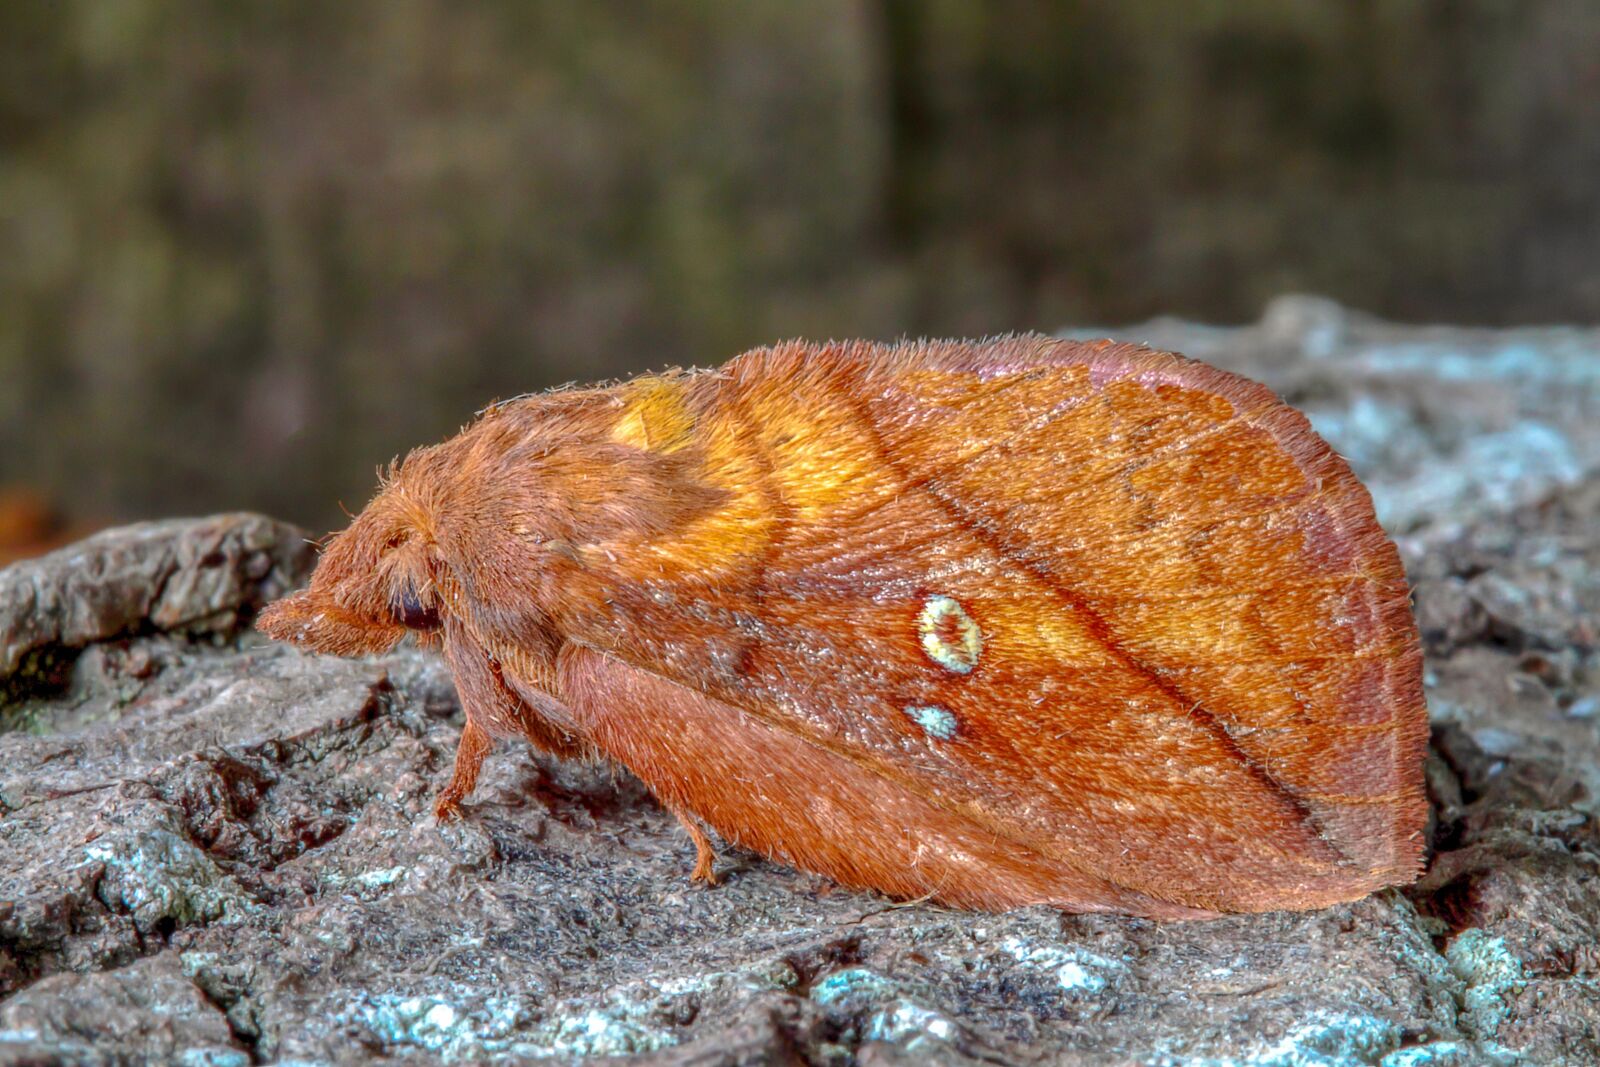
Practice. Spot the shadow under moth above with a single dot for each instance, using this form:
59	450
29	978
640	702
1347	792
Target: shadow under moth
1002	623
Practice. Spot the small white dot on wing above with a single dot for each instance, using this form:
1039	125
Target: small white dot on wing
937	722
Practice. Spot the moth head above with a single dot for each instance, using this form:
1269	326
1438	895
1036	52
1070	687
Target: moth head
376	581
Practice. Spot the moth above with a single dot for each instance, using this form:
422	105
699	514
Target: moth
1022	621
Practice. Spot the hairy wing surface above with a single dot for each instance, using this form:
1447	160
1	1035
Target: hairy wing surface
1185	636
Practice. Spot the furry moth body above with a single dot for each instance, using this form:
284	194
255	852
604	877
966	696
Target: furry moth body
1001	623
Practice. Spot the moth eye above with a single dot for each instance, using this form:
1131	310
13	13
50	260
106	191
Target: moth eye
412	614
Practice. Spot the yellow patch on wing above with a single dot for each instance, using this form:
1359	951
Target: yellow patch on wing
655	416
728	537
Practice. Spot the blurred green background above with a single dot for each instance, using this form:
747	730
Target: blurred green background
249	250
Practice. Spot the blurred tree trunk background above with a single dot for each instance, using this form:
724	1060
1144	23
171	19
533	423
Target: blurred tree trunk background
250	249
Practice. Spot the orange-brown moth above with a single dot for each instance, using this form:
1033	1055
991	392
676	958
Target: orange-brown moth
1001	623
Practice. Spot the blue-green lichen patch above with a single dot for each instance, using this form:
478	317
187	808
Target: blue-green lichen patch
1320	1039
1075	969
454	1022
648	1015
1451	1054
853	984
158	874
873	1007
213	1057
909	1024
615	1030
643	1016
1491	975
366	884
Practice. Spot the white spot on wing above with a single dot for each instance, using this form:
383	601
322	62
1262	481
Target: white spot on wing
949	636
939	723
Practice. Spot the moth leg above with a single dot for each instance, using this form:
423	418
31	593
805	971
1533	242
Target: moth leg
470	753
704	855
